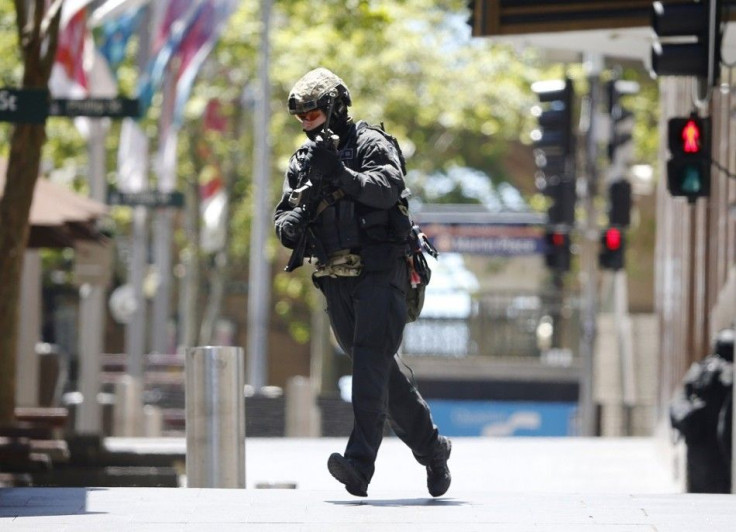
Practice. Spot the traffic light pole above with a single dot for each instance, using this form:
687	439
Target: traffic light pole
625	348
259	281
588	257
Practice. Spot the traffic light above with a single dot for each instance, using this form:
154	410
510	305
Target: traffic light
558	253
554	136
554	147
688	39
622	122
563	195
688	169
619	203
613	246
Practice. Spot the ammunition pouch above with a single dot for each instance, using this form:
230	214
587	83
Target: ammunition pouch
344	264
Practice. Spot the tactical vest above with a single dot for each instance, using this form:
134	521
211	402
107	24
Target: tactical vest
350	225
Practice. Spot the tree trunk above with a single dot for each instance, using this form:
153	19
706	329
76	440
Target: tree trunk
38	38
22	172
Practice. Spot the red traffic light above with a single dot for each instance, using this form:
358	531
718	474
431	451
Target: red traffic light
688	168
613	242
558	239
688	136
691	136
558	253
613	238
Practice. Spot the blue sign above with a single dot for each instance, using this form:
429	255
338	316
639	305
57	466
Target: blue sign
504	418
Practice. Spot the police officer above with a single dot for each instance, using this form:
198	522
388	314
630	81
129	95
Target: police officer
352	226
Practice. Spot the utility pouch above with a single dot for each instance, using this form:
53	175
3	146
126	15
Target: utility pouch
419	272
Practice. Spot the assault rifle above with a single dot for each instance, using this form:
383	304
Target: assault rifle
307	195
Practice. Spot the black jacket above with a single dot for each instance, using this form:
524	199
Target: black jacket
372	184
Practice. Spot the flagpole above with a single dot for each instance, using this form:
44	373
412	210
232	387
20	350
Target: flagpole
259	277
92	301
163	220
135	330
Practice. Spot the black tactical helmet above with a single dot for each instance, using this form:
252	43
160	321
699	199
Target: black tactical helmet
315	89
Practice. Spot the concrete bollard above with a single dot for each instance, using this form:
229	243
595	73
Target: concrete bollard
215	417
302	415
153	421
127	412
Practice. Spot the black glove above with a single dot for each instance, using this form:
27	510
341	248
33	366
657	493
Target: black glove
324	164
291	224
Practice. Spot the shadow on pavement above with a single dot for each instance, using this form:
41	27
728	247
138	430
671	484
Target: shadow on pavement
33	502
401	502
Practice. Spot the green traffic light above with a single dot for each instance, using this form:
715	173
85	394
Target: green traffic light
692	182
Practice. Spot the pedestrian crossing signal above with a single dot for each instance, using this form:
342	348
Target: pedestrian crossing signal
613	244
558	253
688	169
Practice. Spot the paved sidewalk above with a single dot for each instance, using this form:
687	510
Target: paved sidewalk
538	485
557	465
171	509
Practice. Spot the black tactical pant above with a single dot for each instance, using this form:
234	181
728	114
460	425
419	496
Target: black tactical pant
368	314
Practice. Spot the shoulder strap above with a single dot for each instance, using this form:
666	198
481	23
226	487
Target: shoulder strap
328	200
395	143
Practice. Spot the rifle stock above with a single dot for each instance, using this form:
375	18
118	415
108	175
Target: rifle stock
297	255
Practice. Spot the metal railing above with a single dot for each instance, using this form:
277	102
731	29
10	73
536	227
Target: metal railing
501	324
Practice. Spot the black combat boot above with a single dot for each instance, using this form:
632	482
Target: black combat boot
438	475
343	470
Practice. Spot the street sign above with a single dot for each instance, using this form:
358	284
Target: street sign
479	239
23	105
96	107
149	198
33	106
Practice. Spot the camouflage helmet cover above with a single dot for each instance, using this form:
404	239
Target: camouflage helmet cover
314	89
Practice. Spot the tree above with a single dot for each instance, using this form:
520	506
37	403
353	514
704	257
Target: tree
38	27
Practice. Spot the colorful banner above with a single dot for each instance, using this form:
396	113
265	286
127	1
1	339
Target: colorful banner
115	35
176	22
196	46
68	77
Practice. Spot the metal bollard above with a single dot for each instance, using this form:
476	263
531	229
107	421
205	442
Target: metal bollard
215	417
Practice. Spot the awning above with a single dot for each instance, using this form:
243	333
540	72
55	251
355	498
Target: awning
58	215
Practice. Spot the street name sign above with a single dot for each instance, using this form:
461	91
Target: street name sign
96	107
33	106
24	105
